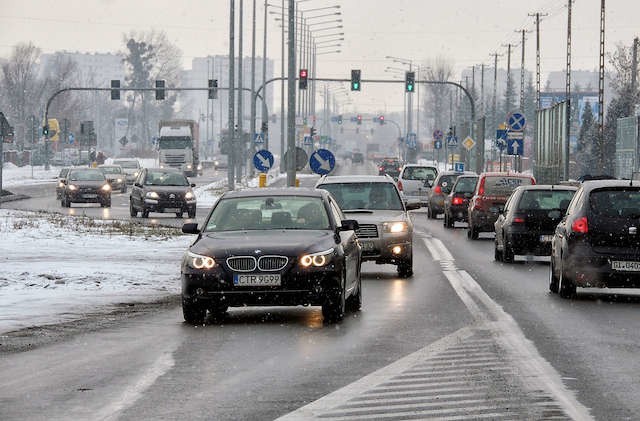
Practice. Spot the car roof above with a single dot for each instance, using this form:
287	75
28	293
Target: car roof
334	179
596	184
420	165
157	169
505	174
276	191
550	187
459	173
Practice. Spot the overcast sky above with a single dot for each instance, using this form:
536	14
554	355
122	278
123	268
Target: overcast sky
464	31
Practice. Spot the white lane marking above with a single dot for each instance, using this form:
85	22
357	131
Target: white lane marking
130	395
437	249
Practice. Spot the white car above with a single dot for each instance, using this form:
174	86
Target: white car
131	168
411	182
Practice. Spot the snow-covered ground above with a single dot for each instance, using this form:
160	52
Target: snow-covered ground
56	268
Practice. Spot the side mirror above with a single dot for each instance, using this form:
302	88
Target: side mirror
137	184
193	184
348	225
190	228
413	205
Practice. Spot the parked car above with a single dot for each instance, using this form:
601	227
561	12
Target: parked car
60	184
390	166
439	188
85	185
456	203
272	246
411	181
529	219
130	166
492	191
115	176
164	190
385	229
597	243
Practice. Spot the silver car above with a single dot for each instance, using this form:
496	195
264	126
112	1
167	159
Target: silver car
386	230
131	168
411	181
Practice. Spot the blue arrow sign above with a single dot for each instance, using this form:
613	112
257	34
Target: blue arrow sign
516	121
263	160
437	144
515	147
322	161
72	138
412	140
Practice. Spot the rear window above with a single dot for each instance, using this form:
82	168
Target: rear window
419	173
350	196
503	185
619	203
446	182
546	199
466	184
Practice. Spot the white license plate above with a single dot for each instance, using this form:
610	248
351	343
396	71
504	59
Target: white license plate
546	238
625	266
89	196
171	210
367	245
256	279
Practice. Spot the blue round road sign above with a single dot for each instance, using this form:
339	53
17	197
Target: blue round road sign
516	121
322	161
263	160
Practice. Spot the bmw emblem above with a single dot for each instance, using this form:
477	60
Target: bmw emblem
257	251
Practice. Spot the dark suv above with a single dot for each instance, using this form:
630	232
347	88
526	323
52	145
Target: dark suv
492	191
597	243
456	203
439	188
390	166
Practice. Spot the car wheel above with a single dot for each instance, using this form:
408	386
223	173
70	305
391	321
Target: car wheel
497	254
449	221
472	232
145	213
106	204
193	313
405	268
334	305
354	302
63	202
132	211
507	252
566	288
553	279
191	214
430	213
218	311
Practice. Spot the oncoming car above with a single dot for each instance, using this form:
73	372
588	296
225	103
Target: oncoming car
130	166
116	177
385	229
163	190
85	185
272	246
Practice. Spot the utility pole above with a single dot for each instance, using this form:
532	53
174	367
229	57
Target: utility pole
252	123
523	31
282	108
482	90
291	106
634	66
231	137
509	90
240	137
567	89
601	139
265	116
535	133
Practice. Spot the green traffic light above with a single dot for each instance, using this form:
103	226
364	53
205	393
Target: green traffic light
356	86
410	88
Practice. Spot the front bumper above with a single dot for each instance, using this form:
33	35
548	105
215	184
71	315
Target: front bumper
381	249
162	206
86	196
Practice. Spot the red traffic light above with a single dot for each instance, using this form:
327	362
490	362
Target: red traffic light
302	80
303	73
381	119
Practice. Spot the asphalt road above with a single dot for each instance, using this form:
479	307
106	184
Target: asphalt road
465	337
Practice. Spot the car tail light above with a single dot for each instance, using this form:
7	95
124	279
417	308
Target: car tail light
437	190
519	220
481	187
381	168
457	201
580	225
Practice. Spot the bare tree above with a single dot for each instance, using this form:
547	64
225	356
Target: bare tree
437	98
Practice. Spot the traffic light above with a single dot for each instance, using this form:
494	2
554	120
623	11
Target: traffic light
302	80
339	119
313	131
410	81
265	127
359	119
45	130
381	120
115	93
159	90
213	89
355	80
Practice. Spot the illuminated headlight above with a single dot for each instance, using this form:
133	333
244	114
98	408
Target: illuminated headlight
189	196
316	259
189	166
152	195
106	187
60	184
395	227
215	163
199	166
73	187
198	261
119	180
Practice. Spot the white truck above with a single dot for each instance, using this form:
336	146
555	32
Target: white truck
178	145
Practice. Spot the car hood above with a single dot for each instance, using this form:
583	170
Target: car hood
163	190
376	216
85	183
263	242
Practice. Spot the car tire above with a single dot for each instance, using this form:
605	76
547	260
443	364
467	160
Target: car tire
193	313
106	204
553	279
145	213
124	189
497	254
132	211
191	214
472	232
334	305
448	221
64	202
405	268
566	286
354	302
507	252
430	213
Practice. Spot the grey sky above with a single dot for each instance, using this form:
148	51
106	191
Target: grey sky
466	31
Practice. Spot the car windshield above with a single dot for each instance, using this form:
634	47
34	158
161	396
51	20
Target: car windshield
161	178
268	213
111	170
419	173
503	185
365	195
545	199
86	175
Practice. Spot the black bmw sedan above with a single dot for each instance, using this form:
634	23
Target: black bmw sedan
272	247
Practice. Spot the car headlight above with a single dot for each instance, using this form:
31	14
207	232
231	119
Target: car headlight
135	173
152	195
198	261
119	180
73	187
60	184
199	166
395	227
189	166
316	259
106	187
189	195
